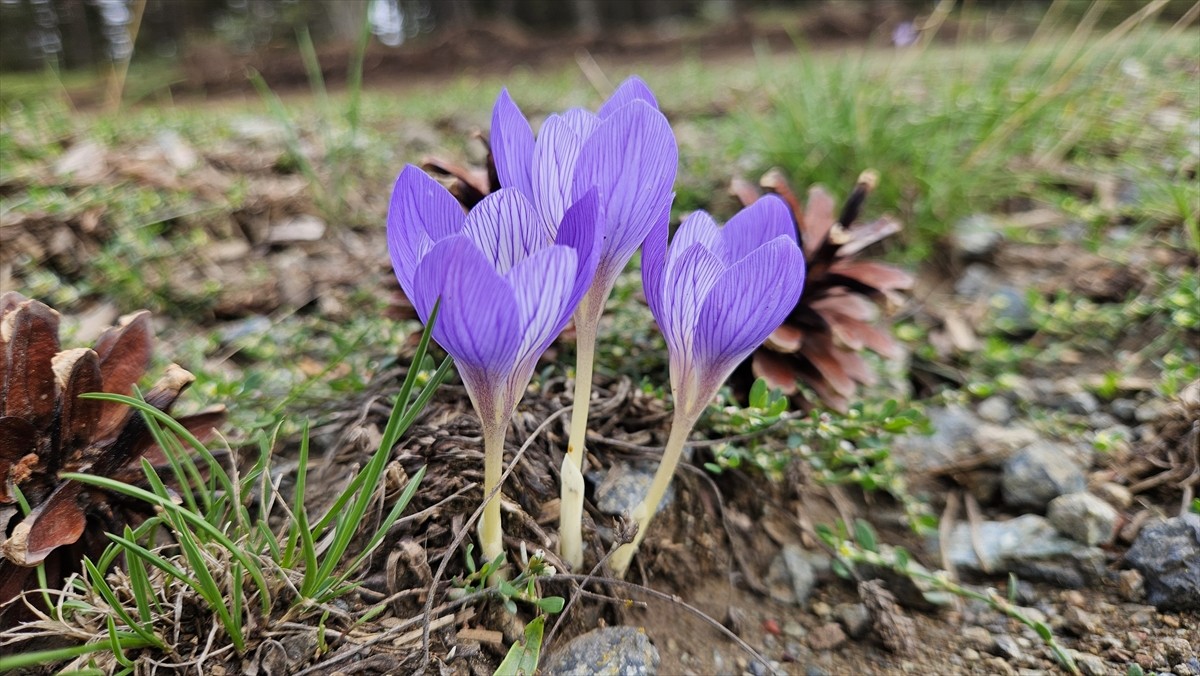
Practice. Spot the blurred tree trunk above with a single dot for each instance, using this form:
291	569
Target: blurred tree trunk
346	18
587	15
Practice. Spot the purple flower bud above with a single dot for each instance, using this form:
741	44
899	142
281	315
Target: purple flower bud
718	292
626	152
507	283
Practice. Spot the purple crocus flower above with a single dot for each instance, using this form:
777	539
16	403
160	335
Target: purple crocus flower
716	293
507	285
627	154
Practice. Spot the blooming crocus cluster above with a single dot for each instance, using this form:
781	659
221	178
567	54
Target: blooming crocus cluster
507	285
627	154
575	203
716	294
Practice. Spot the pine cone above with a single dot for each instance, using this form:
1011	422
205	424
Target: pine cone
838	314
46	429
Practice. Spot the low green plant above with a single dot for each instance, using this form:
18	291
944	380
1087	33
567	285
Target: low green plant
862	548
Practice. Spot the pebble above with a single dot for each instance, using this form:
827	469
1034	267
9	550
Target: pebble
1084	518
1124	409
977	638
1079	622
1152	410
623	488
827	637
791	577
1175	649
995	409
1092	665
953	433
1167	554
608	651
977	236
1039	473
1114	494
1081	403
1028	546
856	618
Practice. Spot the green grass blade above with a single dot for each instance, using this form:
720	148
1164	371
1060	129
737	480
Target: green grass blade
45	657
100	586
522	658
176	511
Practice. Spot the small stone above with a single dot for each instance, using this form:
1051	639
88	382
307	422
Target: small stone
821	610
953	431
1152	410
1092	665
826	637
975	280
1005	646
1131	585
84	164
608	651
977	236
995	409
1074	598
977	638
1001	442
1010	311
791	578
1079	622
1084	518
1028	546
1081	403
1167	554
299	228
1039	473
856	618
1175	649
1114	494
815	671
623	487
970	654
794	629
1124	409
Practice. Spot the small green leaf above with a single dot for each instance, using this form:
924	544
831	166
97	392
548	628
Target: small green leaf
522	658
839	569
758	394
864	535
902	558
551	604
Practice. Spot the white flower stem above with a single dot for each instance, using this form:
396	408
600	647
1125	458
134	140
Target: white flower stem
570	516
681	428
491	531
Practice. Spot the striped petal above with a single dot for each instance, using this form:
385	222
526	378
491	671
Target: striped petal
478	319
632	89
505	227
421	213
754	226
554	159
512	145
746	304
631	160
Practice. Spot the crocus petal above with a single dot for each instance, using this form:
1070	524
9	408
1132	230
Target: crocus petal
554	159
542	284
697	228
631	159
746	304
478	320
512	145
687	285
754	226
654	264
632	89
578	230
505	227
582	122
421	213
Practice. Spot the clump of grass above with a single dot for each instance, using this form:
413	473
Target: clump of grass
956	130
223	554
